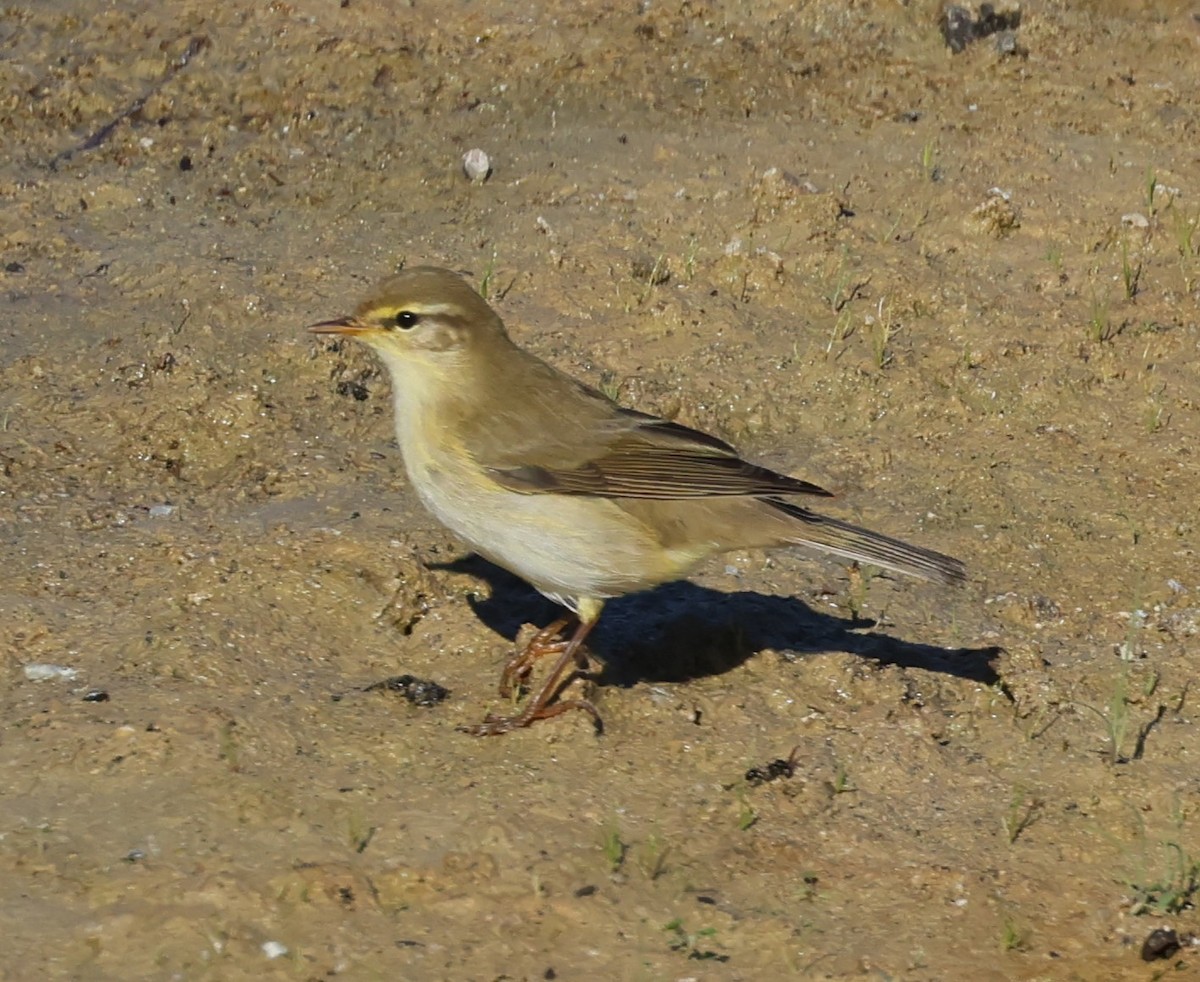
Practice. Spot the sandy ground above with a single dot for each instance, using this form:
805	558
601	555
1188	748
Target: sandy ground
962	290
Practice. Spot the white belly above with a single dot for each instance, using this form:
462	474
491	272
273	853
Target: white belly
567	547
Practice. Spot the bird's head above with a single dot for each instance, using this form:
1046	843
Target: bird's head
423	319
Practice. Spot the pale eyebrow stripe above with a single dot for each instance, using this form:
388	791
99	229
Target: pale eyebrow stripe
431	308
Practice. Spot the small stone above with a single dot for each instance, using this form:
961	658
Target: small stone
476	165
652	271
274	949
420	692
958	28
1162	942
43	672
355	390
996	216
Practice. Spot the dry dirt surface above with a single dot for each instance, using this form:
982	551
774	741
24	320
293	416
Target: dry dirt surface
961	289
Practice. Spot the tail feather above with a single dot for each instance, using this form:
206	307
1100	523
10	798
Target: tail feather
863	545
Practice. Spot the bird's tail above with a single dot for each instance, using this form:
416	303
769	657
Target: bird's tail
863	545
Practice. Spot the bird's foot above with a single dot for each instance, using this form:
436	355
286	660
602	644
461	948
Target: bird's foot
494	725
571	659
547	641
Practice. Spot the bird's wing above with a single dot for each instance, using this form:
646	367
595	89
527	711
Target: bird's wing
563	437
632	455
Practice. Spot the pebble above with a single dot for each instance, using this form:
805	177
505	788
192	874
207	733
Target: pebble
44	672
477	165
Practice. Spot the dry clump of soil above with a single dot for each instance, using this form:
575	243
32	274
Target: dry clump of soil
959	288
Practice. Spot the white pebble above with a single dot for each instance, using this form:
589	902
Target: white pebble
273	949
476	165
43	672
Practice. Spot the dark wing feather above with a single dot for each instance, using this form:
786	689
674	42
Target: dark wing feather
657	460
598	448
664	429
863	545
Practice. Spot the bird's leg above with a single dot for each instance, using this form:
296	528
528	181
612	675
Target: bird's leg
542	705
547	641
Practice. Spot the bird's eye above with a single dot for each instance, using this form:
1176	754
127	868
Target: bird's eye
406	320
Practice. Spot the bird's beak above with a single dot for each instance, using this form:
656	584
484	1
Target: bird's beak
342	325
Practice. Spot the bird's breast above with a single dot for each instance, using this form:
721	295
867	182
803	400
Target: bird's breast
564	545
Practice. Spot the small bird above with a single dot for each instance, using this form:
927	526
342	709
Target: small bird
555	482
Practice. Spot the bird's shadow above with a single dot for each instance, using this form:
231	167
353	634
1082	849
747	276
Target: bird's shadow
682	631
